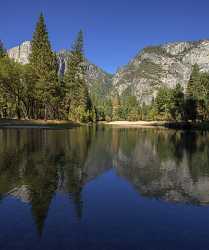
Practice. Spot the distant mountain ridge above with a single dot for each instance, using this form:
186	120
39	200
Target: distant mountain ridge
163	65
152	68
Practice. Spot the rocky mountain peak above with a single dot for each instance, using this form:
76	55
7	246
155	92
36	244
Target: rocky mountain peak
21	52
153	67
163	65
94	74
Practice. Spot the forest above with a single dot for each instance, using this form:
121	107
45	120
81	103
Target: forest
36	91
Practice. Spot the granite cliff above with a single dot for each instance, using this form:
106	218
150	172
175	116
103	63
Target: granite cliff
153	67
95	76
21	52
164	65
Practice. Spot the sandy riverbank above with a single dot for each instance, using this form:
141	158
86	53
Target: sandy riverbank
58	124
161	124
141	124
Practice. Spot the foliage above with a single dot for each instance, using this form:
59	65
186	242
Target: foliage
193	105
77	100
177	103
34	91
12	88
197	95
162	103
126	107
2	50
43	63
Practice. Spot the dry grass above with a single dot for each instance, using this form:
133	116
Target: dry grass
36	123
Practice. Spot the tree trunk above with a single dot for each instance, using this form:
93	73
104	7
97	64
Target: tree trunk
18	108
45	112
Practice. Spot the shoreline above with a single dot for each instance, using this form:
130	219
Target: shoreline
63	124
137	124
161	124
15	123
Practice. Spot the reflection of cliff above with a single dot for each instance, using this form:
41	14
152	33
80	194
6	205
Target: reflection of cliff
35	164
22	193
167	165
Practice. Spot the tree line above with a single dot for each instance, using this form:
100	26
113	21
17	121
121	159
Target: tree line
190	104
173	104
35	91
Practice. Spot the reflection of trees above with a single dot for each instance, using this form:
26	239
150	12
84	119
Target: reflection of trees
199	158
41	178
86	156
12	160
43	161
167	164
27	160
78	145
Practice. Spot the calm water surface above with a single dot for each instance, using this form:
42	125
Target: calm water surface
103	188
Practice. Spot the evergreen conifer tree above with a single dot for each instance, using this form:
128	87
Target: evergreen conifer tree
77	100
2	50
193	84
191	95
177	102
44	64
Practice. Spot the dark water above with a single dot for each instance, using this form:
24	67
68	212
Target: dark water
103	188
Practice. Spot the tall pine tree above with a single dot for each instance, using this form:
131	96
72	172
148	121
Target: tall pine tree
193	84
2	50
44	64
191	96
77	100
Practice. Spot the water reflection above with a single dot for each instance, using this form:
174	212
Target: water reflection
37	164
172	166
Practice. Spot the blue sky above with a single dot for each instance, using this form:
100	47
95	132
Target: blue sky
114	30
